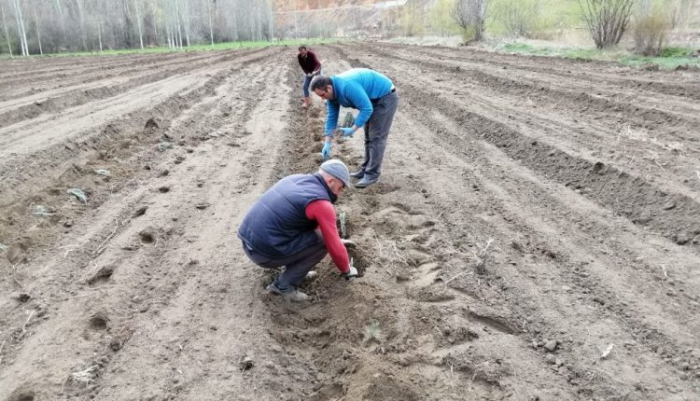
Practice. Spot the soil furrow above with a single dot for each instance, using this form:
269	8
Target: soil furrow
522	243
154	276
76	97
595	74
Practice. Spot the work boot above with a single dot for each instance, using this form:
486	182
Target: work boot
365	182
358	174
291	294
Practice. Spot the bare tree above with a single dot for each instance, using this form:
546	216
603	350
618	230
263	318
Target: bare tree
7	35
607	20
138	22
470	16
96	25
211	27
678	12
38	32
20	28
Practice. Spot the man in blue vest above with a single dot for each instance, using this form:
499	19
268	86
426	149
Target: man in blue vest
294	225
374	95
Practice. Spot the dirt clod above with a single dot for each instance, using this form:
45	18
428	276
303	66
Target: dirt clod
17	253
151	123
140	211
682	239
551	345
246	363
99	321
147	235
22	395
103	273
20	296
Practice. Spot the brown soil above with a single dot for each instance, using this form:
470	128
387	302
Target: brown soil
535	235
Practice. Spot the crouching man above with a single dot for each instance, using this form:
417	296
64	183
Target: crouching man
294	225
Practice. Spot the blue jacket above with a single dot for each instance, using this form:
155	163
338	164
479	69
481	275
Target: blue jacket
276	226
355	88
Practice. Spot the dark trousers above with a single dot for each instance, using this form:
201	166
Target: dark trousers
377	132
296	265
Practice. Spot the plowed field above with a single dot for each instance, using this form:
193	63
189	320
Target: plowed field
535	234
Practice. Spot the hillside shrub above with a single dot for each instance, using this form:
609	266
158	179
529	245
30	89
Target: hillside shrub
650	34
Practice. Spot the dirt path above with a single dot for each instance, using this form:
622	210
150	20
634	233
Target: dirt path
573	185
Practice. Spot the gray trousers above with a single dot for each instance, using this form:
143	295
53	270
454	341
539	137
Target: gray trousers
376	134
296	266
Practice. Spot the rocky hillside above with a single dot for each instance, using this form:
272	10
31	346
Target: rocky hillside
302	18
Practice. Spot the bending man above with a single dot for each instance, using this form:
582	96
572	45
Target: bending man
293	225
311	66
374	95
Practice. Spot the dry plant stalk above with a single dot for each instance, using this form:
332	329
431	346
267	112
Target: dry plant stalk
607	351
84	376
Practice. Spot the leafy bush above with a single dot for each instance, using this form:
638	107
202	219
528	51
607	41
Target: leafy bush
650	34
520	18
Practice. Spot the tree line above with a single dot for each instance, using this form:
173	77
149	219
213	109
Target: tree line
52	26
607	21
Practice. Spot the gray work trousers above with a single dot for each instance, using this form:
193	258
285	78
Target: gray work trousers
376	134
296	265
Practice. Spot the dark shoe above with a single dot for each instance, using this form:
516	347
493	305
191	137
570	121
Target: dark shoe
292	294
365	182
358	174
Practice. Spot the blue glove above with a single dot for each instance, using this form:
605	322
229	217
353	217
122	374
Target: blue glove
326	151
350	131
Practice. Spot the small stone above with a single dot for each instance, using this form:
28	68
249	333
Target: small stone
20	296
68	223
551	345
558	362
669	205
643	218
550	359
682	239
246	363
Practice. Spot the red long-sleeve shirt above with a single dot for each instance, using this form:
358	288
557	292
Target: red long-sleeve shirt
323	213
309	63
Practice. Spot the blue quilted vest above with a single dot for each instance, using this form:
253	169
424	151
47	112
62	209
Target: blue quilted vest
276	226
